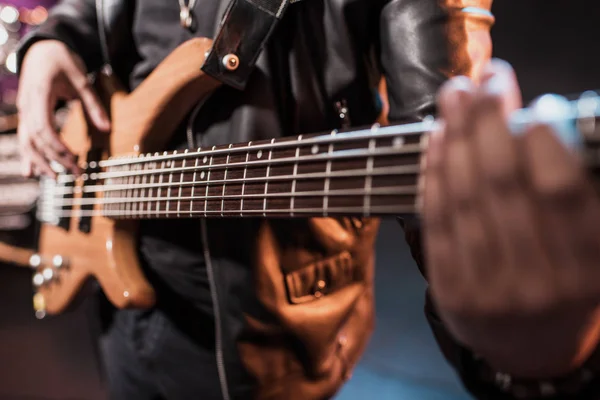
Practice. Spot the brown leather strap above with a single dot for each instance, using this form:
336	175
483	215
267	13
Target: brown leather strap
246	27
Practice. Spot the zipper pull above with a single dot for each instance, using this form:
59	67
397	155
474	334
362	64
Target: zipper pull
343	113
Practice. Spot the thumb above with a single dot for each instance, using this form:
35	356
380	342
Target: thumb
89	99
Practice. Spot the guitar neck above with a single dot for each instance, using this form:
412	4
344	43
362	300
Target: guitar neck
370	172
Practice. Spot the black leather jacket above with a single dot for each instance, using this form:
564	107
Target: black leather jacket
325	52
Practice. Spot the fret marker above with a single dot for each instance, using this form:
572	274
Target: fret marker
205	159
202	175
315	149
165	153
259	154
398	142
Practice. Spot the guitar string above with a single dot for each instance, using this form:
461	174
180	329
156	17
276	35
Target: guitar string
357	210
397	170
375	132
400	149
60	200
385	171
381	190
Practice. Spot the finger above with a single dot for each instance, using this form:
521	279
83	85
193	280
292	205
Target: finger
438	241
475	246
453	97
38	127
26	166
52	149
88	97
570	209
499	77
38	162
505	200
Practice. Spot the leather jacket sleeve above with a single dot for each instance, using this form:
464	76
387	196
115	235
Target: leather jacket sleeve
422	44
73	22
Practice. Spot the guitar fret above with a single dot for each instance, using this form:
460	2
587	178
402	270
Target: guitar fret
244	179
207	182
180	187
160	180
369	179
293	198
149	207
327	176
194	184
128	194
136	190
172	165
225	181
267	182
122	193
143	191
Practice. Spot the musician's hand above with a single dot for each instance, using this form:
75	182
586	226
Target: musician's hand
51	72
512	234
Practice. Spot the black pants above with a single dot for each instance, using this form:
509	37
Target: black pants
149	356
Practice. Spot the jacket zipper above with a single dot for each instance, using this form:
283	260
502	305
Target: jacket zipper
217	312
210	272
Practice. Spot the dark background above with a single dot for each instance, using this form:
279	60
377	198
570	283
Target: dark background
553	47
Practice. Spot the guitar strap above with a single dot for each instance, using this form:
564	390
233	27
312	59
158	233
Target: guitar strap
245	28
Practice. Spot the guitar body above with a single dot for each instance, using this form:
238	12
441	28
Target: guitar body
142	122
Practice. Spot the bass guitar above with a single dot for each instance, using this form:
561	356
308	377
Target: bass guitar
88	223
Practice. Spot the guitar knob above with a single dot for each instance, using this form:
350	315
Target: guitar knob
58	261
35	261
38	280
39	305
48	274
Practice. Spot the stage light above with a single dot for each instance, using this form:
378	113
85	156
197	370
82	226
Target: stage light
11	62
9	14
4	35
38	15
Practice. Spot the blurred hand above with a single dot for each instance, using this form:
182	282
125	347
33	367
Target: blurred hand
51	72
511	234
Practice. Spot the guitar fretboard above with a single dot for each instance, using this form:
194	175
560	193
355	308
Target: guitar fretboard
371	172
